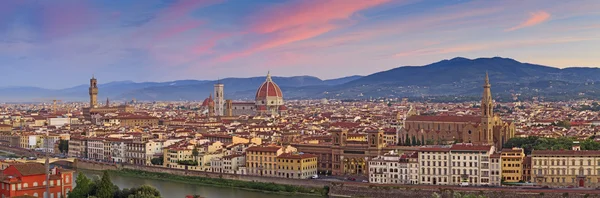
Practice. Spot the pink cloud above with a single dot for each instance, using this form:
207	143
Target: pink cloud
301	20
534	19
65	17
184	7
172	31
490	45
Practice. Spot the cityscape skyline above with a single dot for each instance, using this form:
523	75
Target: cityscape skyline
174	40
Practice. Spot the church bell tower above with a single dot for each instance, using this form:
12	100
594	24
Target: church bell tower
487	112
93	93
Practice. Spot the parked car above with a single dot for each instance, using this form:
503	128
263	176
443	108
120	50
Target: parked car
315	177
365	181
464	184
32	158
352	179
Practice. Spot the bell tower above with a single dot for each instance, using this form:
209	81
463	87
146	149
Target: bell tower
93	92
487	112
219	99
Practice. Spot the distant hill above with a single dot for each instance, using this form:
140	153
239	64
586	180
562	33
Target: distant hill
446	80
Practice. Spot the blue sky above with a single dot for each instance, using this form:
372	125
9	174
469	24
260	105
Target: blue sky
61	43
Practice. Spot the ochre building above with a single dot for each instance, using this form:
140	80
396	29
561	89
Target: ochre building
343	157
566	168
487	128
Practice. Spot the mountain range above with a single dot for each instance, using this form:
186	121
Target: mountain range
450	79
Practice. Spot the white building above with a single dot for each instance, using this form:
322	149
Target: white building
232	163
216	165
452	165
118	148
391	168
219	99
95	148
58	121
495	170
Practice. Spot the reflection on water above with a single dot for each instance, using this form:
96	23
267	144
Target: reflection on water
180	190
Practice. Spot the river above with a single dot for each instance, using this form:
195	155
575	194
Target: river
170	189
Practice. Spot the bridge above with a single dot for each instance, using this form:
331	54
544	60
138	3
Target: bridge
43	160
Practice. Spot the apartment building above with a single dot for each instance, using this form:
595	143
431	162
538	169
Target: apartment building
566	168
296	165
261	160
452	165
512	164
391	168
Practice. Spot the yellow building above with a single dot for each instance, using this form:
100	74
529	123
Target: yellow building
5	128
296	165
564	168
511	163
174	154
261	160
138	121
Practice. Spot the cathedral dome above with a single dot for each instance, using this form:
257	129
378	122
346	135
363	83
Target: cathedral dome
208	101
268	89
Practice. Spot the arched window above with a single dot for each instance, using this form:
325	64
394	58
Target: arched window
25	185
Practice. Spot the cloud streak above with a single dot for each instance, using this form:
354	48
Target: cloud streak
301	20
534	19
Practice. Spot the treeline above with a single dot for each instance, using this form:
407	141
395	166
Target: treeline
104	188
419	141
540	143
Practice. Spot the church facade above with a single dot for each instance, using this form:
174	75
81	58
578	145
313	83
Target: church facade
486	129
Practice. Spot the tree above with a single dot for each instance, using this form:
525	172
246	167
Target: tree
105	187
83	188
145	191
63	146
157	161
195	153
413	141
407	140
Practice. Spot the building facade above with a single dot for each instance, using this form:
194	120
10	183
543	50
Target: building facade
262	160
566	168
296	165
456	164
512	164
391	168
29	179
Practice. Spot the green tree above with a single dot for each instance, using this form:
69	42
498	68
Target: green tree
407	140
413	141
63	146
195	153
105	187
145	191
83	187
157	161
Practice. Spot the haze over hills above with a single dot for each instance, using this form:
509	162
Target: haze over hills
455	77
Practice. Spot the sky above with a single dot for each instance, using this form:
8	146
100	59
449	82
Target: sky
62	43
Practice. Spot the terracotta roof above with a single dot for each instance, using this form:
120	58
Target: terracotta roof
420	118
565	152
466	147
208	101
296	156
268	89
264	148
27	169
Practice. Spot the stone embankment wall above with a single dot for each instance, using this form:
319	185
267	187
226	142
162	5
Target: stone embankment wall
295	182
378	191
18	151
91	165
355	189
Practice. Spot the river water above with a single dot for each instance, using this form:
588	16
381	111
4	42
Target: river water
170	189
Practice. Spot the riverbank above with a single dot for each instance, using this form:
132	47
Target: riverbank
219	182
